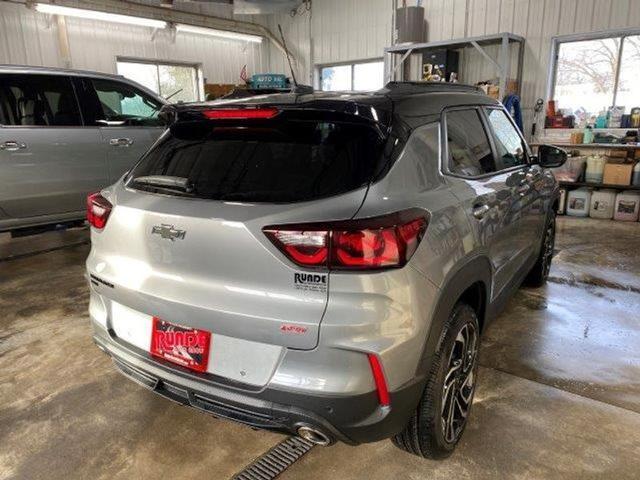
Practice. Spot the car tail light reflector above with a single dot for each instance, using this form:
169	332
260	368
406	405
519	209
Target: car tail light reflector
303	247
240	113
380	381
368	244
98	210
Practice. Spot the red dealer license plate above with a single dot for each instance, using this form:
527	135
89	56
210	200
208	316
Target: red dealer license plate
183	346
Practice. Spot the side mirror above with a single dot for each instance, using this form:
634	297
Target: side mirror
551	157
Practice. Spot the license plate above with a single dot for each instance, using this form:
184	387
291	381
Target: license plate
188	347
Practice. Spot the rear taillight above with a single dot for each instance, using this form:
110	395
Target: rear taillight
369	244
308	248
240	113
98	210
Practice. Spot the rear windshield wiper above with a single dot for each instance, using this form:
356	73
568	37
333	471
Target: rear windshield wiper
166	182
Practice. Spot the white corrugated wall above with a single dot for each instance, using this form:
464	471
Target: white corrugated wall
348	30
28	38
536	20
297	36
334	31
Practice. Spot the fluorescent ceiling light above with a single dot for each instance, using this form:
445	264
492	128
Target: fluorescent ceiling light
180	27
95	15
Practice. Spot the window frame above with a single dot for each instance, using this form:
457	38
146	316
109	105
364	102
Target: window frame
525	145
480	109
70	78
171	63
91	106
141	93
581	37
350	63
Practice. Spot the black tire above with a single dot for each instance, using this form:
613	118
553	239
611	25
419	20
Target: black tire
428	434
539	274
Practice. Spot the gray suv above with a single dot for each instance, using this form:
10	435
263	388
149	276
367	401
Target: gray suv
322	264
64	134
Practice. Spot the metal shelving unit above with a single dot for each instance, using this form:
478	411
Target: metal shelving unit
590	145
502	64
598	185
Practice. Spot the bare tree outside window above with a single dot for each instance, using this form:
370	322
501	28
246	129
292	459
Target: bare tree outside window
585	82
177	78
164	79
629	82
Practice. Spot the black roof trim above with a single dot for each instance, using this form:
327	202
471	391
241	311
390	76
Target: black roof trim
412	88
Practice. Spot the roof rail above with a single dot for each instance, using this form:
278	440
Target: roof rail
423	87
70	71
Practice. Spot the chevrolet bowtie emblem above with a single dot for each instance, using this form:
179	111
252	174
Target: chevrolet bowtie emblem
168	232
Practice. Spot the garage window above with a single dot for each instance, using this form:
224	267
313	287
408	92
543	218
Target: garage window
179	81
594	74
363	76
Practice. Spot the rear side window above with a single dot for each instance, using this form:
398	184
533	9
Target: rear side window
43	100
272	161
510	149
470	153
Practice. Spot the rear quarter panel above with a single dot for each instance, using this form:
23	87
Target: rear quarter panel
390	312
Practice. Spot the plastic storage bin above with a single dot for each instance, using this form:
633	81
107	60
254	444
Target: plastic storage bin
579	202
602	203
571	171
635	180
627	206
595	169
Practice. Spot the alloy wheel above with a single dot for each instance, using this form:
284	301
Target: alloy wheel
459	383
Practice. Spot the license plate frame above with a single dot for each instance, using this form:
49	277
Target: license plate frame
184	346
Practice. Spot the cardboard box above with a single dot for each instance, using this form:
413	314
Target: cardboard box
217	90
617	173
512	87
617	160
576	138
617	152
493	91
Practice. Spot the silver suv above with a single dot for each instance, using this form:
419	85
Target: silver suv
322	264
64	134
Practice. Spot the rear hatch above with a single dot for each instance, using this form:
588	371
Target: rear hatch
185	239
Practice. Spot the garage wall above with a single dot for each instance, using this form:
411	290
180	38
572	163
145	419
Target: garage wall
340	31
347	30
297	35
536	20
334	31
27	37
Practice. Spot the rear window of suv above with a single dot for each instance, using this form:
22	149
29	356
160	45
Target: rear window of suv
274	161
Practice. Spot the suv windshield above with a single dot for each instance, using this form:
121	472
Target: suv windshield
268	161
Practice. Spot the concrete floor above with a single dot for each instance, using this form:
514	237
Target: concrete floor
558	394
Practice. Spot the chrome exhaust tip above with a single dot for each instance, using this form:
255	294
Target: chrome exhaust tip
314	436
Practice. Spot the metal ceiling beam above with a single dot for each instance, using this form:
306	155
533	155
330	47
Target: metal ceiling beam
172	16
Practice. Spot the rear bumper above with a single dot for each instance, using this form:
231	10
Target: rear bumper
351	419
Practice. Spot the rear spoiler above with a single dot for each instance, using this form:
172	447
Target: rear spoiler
378	116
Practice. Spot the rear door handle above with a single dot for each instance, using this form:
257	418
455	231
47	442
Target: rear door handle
120	142
12	146
480	211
